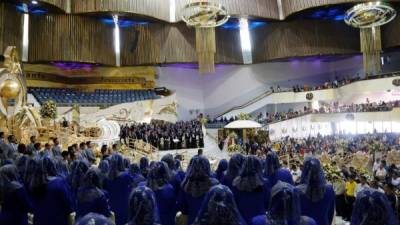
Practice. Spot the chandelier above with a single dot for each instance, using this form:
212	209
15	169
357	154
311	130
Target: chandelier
371	14
205	16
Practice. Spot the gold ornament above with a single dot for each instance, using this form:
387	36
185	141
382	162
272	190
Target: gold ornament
10	89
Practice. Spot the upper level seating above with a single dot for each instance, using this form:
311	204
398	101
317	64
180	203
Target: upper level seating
101	97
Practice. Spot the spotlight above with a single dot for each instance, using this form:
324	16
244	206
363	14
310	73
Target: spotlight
34	2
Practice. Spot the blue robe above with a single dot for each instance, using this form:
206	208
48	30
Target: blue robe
96	204
321	211
119	190
190	205
54	206
15	208
252	204
281	174
166	199
262	220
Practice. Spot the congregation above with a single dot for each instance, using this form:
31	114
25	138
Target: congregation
253	190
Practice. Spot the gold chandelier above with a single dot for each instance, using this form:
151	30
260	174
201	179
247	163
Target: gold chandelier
205	16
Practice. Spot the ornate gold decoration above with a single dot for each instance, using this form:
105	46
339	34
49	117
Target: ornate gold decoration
169	109
371	14
10	89
205	16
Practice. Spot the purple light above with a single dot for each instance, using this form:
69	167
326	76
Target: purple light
70	66
191	65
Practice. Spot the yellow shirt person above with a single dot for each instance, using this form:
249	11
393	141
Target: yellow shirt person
351	186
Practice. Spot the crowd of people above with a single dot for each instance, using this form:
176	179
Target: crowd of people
245	189
166	136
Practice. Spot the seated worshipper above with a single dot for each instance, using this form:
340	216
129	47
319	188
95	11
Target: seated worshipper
273	171
234	166
142	207
195	185
219	208
136	175
158	180
251	190
317	198
118	185
91	198
14	200
144	166
51	197
222	167
372	208
284	208
94	219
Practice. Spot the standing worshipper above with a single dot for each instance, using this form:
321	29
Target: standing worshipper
91	198
31	145
136	175
251	190
142	207
144	166
176	179
350	197
220	171
372	208
194	187
50	196
12	146
14	200
273	171
118	185
159	181
56	147
339	187
317	198
284	208
234	166
219	208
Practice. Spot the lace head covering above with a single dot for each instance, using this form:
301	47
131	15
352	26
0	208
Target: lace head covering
218	208
372	208
142	207
116	166
312	182
272	164
234	166
94	219
9	180
158	176
284	205
222	167
250	175
169	160
198	177
90	188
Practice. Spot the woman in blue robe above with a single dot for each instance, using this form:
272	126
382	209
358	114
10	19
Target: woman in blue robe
14	200
104	167
158	180
51	197
91	198
144	166
194	187
78	170
21	165
234	166
220	171
284	208
176	179
143	207
273	171
219	208
94	219
252	191
118	185
317	198
136	175
372	208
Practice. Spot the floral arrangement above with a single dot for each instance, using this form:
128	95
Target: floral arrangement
244	116
48	110
234	148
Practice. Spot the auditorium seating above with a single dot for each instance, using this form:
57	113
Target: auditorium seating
99	97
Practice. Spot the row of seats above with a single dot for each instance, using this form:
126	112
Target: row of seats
99	97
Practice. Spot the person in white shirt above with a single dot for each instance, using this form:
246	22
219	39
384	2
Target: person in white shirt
362	185
296	173
376	165
381	172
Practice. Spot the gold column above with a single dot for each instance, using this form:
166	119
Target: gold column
206	48
371	46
